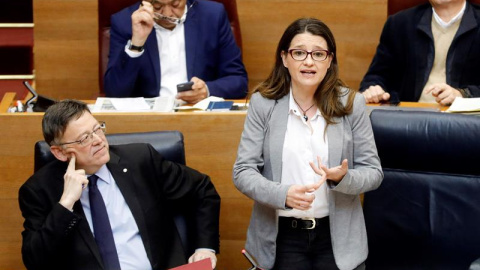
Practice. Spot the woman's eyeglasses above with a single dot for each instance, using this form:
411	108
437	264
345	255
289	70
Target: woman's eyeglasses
300	55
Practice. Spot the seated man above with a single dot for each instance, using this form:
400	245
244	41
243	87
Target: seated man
108	207
429	53
191	41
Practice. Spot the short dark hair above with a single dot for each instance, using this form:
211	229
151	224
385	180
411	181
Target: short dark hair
57	117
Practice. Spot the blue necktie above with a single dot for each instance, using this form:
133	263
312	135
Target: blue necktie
101	226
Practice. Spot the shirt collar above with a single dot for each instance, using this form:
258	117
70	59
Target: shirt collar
294	109
457	17
104	174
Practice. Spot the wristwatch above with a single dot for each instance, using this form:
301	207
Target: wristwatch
465	92
135	48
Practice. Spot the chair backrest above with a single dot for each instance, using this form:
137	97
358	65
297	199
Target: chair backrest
106	8
168	143
395	6
426	213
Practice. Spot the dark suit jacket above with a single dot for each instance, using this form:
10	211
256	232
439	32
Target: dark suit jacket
405	55
55	238
211	52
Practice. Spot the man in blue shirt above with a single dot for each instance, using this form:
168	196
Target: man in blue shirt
138	187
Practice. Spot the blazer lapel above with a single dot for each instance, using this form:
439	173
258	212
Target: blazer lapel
86	233
468	22
151	47
126	183
335	134
465	42
191	40
424	54
277	128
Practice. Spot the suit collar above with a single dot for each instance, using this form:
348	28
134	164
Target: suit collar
191	38
123	175
86	233
468	22
335	135
277	125
151	48
425	23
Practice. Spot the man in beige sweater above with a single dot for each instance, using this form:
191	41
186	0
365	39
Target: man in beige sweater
428	53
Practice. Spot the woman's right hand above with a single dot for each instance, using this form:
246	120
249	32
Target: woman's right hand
301	196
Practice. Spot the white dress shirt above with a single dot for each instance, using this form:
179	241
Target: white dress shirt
304	141
173	59
130	248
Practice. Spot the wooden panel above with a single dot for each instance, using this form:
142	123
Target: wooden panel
6	101
66	46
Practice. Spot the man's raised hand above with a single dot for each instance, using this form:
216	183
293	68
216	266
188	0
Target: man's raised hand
74	183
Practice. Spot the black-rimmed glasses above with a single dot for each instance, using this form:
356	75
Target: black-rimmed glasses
300	55
157	5
87	139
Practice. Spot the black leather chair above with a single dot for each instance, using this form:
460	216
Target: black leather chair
426	213
168	143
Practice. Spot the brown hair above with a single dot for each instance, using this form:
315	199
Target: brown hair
57	117
328	94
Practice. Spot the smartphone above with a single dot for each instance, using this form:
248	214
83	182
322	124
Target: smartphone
184	86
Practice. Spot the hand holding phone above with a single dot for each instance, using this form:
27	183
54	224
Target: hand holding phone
184	86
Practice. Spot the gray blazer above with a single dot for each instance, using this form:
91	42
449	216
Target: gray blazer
257	174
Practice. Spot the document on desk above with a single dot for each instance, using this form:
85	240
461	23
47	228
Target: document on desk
202	105
465	105
140	104
204	264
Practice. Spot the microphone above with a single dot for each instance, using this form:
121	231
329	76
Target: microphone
29	103
37	103
251	260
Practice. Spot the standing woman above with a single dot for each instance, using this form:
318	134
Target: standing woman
306	153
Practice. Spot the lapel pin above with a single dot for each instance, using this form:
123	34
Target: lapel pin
125	170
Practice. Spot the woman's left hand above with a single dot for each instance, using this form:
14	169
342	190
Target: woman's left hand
335	174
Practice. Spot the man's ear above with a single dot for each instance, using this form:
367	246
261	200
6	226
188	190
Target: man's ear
59	152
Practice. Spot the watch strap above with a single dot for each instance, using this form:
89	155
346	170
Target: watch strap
135	48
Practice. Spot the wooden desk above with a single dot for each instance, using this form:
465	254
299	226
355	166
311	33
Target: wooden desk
211	141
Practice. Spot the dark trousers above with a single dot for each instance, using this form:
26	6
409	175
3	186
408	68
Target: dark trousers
304	249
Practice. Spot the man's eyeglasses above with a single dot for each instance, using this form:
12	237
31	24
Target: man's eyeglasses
87	139
158	16
300	55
